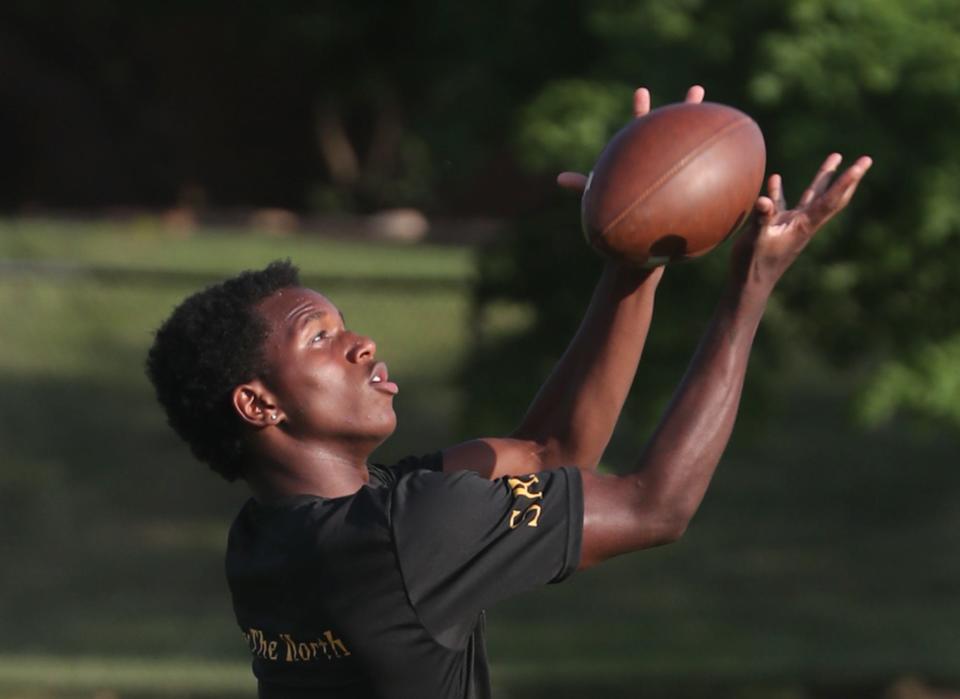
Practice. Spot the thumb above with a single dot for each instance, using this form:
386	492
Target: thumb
573	181
763	211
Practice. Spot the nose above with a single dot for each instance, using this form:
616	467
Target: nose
362	348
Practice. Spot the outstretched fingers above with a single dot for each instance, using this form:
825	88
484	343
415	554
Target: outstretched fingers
820	181
695	94
577	182
641	99
574	181
840	192
764	210
641	102
775	192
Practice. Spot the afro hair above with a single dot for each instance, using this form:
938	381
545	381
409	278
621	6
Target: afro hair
211	343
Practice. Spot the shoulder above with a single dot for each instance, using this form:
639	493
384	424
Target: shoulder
302	519
434	500
390	475
462	487
424	484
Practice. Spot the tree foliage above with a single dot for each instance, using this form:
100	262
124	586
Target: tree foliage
879	290
471	108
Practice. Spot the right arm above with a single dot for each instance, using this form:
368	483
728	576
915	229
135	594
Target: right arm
654	504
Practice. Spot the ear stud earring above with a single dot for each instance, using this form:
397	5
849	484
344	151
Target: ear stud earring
273	417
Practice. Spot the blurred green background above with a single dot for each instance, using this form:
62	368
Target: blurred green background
151	148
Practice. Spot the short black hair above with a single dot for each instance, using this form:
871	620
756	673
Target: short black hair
210	344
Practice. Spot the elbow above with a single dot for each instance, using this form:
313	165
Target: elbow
670	521
670	511
670	528
675	529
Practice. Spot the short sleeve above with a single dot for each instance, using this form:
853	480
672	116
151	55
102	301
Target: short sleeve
464	543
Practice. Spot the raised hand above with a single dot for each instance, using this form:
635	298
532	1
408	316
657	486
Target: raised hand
776	235
576	181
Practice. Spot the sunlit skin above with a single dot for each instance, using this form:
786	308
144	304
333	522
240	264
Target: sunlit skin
323	405
316	415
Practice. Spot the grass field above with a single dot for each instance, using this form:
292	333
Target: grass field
823	558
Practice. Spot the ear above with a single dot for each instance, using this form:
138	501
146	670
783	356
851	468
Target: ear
256	405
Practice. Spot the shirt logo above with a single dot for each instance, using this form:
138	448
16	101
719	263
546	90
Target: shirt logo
285	648
524	489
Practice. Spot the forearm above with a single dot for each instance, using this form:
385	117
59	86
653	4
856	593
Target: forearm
654	504
679	460
574	413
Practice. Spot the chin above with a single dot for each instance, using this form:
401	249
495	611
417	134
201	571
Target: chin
389	430
383	431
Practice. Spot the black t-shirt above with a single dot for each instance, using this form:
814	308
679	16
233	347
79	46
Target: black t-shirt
381	594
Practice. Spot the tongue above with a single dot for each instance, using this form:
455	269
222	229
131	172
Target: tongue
386	386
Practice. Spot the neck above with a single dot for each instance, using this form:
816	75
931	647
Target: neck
308	470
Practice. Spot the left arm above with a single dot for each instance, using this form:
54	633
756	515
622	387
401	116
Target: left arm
572	417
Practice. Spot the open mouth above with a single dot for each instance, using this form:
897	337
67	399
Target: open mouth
378	379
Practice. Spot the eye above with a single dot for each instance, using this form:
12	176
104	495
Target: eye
322	335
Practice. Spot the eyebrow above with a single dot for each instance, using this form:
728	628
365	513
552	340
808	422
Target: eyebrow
315	315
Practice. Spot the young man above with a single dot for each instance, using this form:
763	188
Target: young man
355	580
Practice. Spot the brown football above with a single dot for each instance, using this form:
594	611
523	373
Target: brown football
674	184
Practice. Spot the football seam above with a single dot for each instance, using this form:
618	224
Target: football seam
679	165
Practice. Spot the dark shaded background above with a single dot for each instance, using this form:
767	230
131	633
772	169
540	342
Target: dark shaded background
468	111
271	104
825	563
